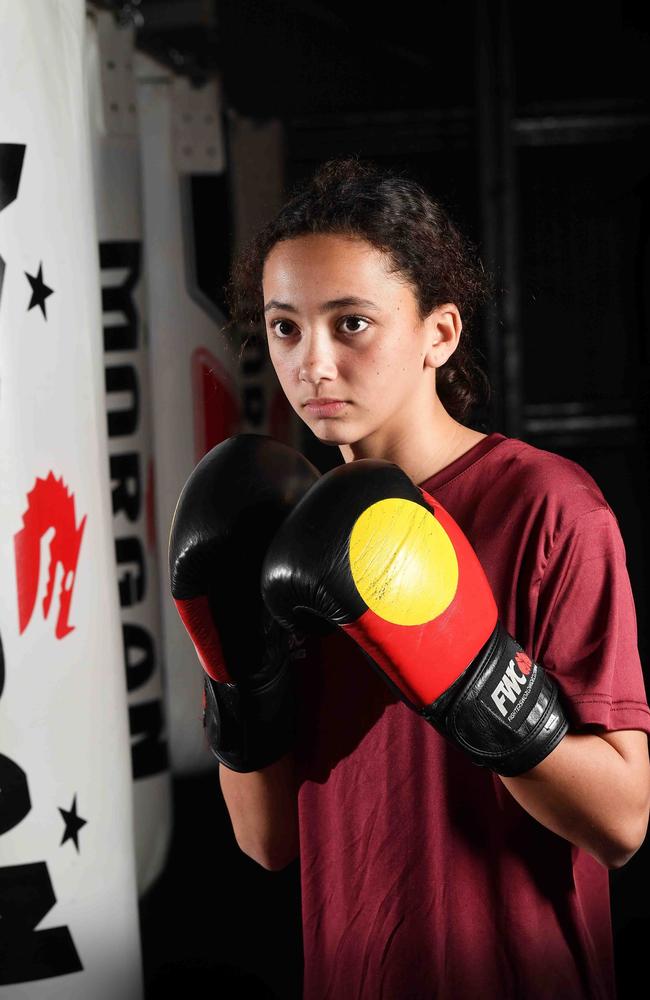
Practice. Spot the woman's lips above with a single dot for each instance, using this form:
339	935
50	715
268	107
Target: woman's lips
322	408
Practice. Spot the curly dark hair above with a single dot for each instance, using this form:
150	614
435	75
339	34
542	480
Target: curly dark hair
394	214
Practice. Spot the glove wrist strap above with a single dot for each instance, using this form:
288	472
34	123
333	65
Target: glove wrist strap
504	710
249	729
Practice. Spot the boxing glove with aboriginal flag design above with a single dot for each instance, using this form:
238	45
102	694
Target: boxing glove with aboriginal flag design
370	552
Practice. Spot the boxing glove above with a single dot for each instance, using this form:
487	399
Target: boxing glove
372	553
231	506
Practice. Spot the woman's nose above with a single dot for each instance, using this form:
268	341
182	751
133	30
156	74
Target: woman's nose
317	360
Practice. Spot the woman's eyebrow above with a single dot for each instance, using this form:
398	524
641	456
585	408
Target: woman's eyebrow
348	300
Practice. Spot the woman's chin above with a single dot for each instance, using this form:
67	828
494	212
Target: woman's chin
332	439
332	435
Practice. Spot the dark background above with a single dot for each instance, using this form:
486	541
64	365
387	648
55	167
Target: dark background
530	122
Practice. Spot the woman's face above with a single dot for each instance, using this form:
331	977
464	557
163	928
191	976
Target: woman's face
340	327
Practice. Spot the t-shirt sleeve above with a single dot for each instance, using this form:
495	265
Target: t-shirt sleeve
586	626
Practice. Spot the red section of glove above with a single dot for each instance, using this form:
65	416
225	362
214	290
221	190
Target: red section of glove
424	660
197	619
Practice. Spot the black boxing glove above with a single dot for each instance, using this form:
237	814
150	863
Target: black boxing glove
371	553
231	506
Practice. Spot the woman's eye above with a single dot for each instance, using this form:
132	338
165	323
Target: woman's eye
284	327
355	319
277	323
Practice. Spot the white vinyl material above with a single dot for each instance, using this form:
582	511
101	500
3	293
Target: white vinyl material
68	898
115	147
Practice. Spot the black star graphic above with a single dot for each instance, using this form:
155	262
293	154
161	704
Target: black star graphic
40	291
73	823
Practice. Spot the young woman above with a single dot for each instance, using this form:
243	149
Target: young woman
424	875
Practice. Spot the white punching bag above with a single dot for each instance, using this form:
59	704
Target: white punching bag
194	367
114	139
68	901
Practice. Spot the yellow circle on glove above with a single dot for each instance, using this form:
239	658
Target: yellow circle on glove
403	562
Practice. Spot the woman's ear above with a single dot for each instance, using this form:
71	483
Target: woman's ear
442	332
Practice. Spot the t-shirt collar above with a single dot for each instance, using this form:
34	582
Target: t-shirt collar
463	462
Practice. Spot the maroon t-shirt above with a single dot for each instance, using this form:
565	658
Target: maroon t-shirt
421	875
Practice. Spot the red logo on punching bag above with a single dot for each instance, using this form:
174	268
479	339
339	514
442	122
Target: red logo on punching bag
523	662
50	506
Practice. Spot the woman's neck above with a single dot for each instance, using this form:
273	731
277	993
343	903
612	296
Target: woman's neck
421	454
